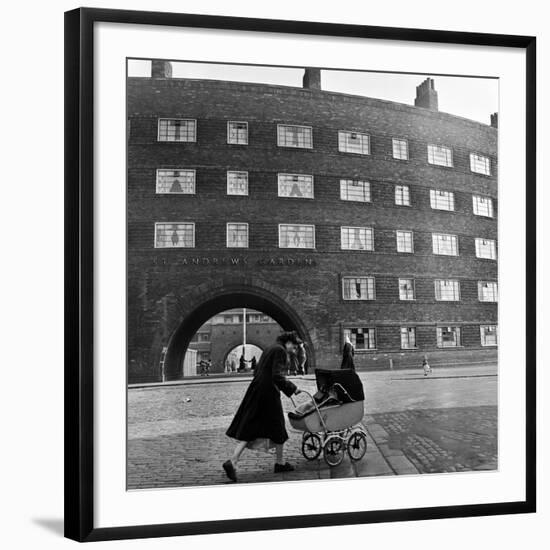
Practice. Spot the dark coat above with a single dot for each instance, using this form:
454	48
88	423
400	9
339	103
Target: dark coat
260	414
347	357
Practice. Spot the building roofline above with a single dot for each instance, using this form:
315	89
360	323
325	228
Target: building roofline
295	90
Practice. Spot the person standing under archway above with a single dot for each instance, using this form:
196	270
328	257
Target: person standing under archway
259	421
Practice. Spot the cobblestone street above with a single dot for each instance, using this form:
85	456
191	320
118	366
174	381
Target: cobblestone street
443	423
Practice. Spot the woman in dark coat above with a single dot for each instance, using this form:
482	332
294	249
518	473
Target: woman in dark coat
347	355
259	421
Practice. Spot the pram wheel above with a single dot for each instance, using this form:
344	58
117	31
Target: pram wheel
333	450
357	446
311	446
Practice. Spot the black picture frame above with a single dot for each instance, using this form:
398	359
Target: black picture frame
79	269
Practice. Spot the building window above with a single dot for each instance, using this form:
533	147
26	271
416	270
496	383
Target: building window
406	289
445	245
483	206
400	149
355	190
295	185
358	288
361	338
294	136
448	337
487	291
442	200
480	164
357	238
177	129
441	156
204	337
174	235
237	235
404	241
296	236
447	290
408	337
402	196
237	183
176	181
489	335
486	248
353	142
237	133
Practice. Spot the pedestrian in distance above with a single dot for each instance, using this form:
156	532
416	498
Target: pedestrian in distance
293	366
253	363
302	358
259	422
426	366
347	355
242	363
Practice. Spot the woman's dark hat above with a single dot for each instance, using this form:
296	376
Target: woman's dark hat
290	336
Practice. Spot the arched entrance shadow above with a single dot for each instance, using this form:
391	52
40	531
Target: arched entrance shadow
229	298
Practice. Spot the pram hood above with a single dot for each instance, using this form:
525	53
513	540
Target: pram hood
335	380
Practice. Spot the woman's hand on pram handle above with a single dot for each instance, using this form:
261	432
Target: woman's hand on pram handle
297	391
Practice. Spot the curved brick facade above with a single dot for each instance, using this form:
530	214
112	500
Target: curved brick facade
302	288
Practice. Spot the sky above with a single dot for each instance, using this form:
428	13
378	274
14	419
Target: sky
468	97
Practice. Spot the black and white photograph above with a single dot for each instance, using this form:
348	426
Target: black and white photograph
312	274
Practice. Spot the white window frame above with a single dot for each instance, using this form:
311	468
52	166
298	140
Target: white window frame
365	186
175	170
404	241
476	200
456	290
456	329
174	223
351	135
193	120
400	195
482	336
367	229
280	126
403	297
400	140
442	200
494	291
407	329
476	159
282	175
227	182
297	225
434	149
435	243
227	234
229	122
350	329
479	242
369	279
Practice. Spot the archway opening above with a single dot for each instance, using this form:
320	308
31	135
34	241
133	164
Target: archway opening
230	299
250	354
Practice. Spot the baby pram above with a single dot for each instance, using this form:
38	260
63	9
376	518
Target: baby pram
330	420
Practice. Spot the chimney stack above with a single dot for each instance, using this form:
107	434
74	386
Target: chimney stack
312	78
494	120
161	69
426	96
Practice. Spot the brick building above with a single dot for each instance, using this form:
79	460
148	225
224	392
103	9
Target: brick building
333	214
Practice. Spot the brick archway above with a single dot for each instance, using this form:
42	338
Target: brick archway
206	301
